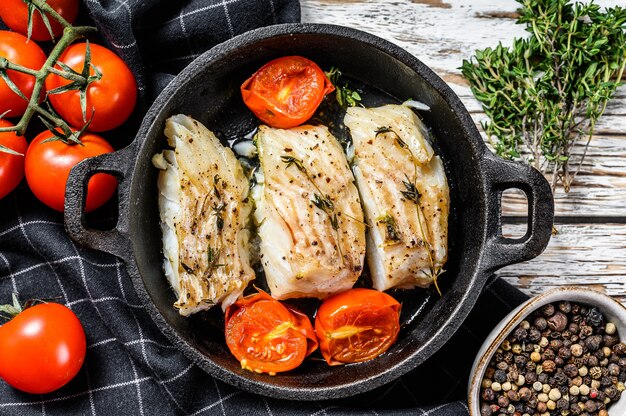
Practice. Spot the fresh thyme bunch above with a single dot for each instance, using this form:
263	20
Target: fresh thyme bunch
544	95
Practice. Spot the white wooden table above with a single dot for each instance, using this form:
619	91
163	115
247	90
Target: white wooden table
590	248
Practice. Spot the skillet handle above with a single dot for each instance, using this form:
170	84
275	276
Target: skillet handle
115	241
502	175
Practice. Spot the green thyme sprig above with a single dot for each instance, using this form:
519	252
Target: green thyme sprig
346	97
544	95
412	194
321	201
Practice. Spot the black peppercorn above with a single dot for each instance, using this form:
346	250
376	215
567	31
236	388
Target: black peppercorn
525	394
547	310
485	410
512	395
548	366
619	349
611	392
520	334
557	322
542	378
503	401
565	306
562	404
531	377
520	361
548	354
570	370
585	331
502	366
610	340
560	378
573	327
555	344
541	323
565	353
534	334
591	406
499	376
594	317
606	381
593	342
592	361
488	395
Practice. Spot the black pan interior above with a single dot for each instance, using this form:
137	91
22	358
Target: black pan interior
209	91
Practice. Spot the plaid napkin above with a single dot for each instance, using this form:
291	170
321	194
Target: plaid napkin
131	368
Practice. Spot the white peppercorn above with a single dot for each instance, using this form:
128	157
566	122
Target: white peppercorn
609	328
584	389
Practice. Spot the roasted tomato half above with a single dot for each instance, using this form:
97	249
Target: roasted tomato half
357	325
286	92
267	336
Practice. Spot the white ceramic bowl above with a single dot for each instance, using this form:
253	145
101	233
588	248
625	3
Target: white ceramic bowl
610	308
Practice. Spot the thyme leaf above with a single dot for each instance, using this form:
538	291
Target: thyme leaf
399	141
391	228
345	96
216	181
212	256
544	94
293	161
218	210
323	203
411	193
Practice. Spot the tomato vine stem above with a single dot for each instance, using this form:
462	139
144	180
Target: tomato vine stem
70	34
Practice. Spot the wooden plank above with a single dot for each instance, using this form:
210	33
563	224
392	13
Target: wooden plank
592	255
442	34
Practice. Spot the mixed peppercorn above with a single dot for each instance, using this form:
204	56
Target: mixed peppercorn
564	359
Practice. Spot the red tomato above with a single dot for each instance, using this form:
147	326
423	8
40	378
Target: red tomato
113	97
286	92
48	166
267	336
11	166
14	14
357	325
19	50
43	348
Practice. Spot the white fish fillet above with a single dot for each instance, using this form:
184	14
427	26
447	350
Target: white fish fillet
391	153
302	253
205	213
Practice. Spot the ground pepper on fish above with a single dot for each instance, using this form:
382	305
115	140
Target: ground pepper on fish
564	359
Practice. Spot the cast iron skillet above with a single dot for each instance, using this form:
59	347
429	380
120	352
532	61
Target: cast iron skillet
208	89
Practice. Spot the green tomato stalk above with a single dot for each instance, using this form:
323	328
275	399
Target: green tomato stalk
79	81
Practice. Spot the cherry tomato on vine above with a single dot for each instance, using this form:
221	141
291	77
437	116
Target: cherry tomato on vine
43	348
11	166
48	166
14	14
286	92
113	97
19	50
357	325
267	336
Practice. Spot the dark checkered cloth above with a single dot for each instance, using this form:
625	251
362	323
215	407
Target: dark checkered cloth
131	368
